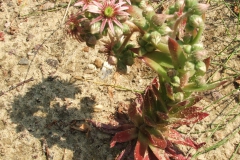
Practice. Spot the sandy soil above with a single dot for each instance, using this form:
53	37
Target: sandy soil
64	84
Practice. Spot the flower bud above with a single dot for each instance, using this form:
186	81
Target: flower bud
155	37
200	81
149	47
176	81
200	55
123	18
196	21
146	37
200	67
187	48
200	8
179	4
189	66
197	46
112	60
190	4
158	19
178	97
164	29
118	32
95	28
142	4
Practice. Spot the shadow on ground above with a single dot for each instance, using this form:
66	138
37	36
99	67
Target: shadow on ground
47	110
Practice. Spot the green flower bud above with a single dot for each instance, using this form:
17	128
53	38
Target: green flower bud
164	29
200	67
179	4
141	42
176	81
200	81
158	19
155	37
178	97
189	66
123	18
200	55
197	46
149	47
95	28
195	21
146	37
199	9
190	4
187	48
118	31
148	12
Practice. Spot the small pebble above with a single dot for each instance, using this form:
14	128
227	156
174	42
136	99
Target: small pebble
91	66
98	108
98	63
23	61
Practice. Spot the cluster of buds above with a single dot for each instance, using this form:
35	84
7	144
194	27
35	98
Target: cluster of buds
170	43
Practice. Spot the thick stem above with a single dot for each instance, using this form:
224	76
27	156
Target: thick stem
198	36
127	38
133	29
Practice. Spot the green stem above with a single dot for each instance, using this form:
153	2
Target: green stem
198	36
127	38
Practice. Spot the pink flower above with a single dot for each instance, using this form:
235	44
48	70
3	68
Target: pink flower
108	11
84	3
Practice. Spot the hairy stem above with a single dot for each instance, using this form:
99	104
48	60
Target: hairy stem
198	36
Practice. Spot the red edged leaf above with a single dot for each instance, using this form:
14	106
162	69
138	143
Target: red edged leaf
184	104
110	128
135	113
175	137
156	138
162	116
169	90
140	151
126	152
155	83
178	57
124	136
184	79
157	94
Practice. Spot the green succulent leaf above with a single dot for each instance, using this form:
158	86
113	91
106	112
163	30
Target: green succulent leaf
195	88
153	63
177	54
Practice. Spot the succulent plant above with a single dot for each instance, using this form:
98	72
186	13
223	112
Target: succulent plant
170	43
